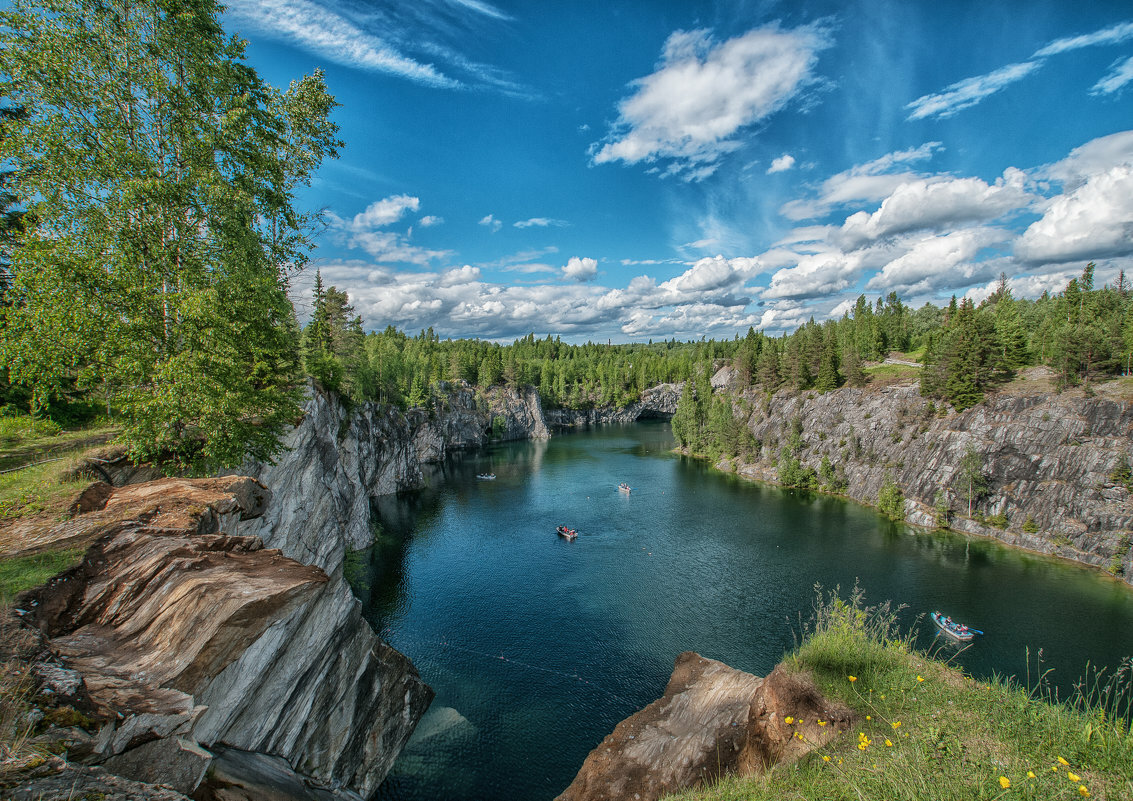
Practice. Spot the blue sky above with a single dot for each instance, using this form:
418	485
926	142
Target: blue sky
647	170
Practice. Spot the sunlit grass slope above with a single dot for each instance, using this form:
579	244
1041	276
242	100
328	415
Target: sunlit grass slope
928	732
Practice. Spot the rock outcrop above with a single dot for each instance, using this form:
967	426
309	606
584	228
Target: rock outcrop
658	402
184	634
712	720
337	459
1047	459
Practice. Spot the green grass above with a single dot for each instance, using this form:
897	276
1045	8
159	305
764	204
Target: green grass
25	572
36	458
892	371
927	732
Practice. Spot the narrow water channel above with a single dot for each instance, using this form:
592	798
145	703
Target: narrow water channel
538	646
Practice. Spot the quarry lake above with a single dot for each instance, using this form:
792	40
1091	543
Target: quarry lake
537	646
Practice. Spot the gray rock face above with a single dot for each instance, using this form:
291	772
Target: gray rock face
1047	459
319	688
659	402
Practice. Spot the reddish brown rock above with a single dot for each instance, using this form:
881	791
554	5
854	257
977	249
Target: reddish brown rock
712	720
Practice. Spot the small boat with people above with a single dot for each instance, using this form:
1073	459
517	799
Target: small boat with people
486	476
569	533
624	487
957	631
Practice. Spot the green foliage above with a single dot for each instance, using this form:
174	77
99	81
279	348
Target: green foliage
942	511
793	473
971	479
1030	526
890	500
998	520
1121	475
159	174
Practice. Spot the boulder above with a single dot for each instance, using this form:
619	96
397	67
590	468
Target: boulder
712	720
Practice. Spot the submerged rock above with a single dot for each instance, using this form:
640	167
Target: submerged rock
712	720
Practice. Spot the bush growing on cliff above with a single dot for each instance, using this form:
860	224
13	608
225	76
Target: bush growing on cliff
792	473
890	500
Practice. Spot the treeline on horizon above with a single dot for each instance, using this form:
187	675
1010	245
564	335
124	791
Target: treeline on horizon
1082	334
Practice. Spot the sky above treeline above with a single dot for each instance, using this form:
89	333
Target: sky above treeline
642	170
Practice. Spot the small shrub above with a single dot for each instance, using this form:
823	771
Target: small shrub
1030	526
942	512
998	521
890	500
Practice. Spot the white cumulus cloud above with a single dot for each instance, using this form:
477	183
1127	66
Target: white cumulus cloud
584	269
491	223
781	164
941	262
704	92
874	180
935	203
1093	221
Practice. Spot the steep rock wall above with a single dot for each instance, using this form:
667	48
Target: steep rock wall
1047	459
336	459
660	401
185	633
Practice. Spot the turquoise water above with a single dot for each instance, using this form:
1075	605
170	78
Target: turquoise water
537	646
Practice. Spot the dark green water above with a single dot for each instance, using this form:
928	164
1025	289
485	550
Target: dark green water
537	647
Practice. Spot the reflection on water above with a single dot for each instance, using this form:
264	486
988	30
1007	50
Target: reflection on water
537	646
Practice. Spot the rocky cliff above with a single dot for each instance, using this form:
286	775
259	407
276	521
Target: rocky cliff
1047	460
660	401
176	633
337	458
205	614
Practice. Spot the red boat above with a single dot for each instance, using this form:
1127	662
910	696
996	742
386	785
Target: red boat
569	533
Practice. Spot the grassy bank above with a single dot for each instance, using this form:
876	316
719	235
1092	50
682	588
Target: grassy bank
927	732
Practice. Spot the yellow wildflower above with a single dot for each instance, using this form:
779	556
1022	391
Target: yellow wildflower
822	723
825	757
896	724
1062	761
788	720
869	717
1082	789
1030	774
852	678
888	743
1004	782
1074	777
920	678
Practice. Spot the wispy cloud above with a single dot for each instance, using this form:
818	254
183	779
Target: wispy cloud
491	223
423	42
321	30
366	231
541	222
970	91
1120	73
690	111
874	180
1115	34
487	9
